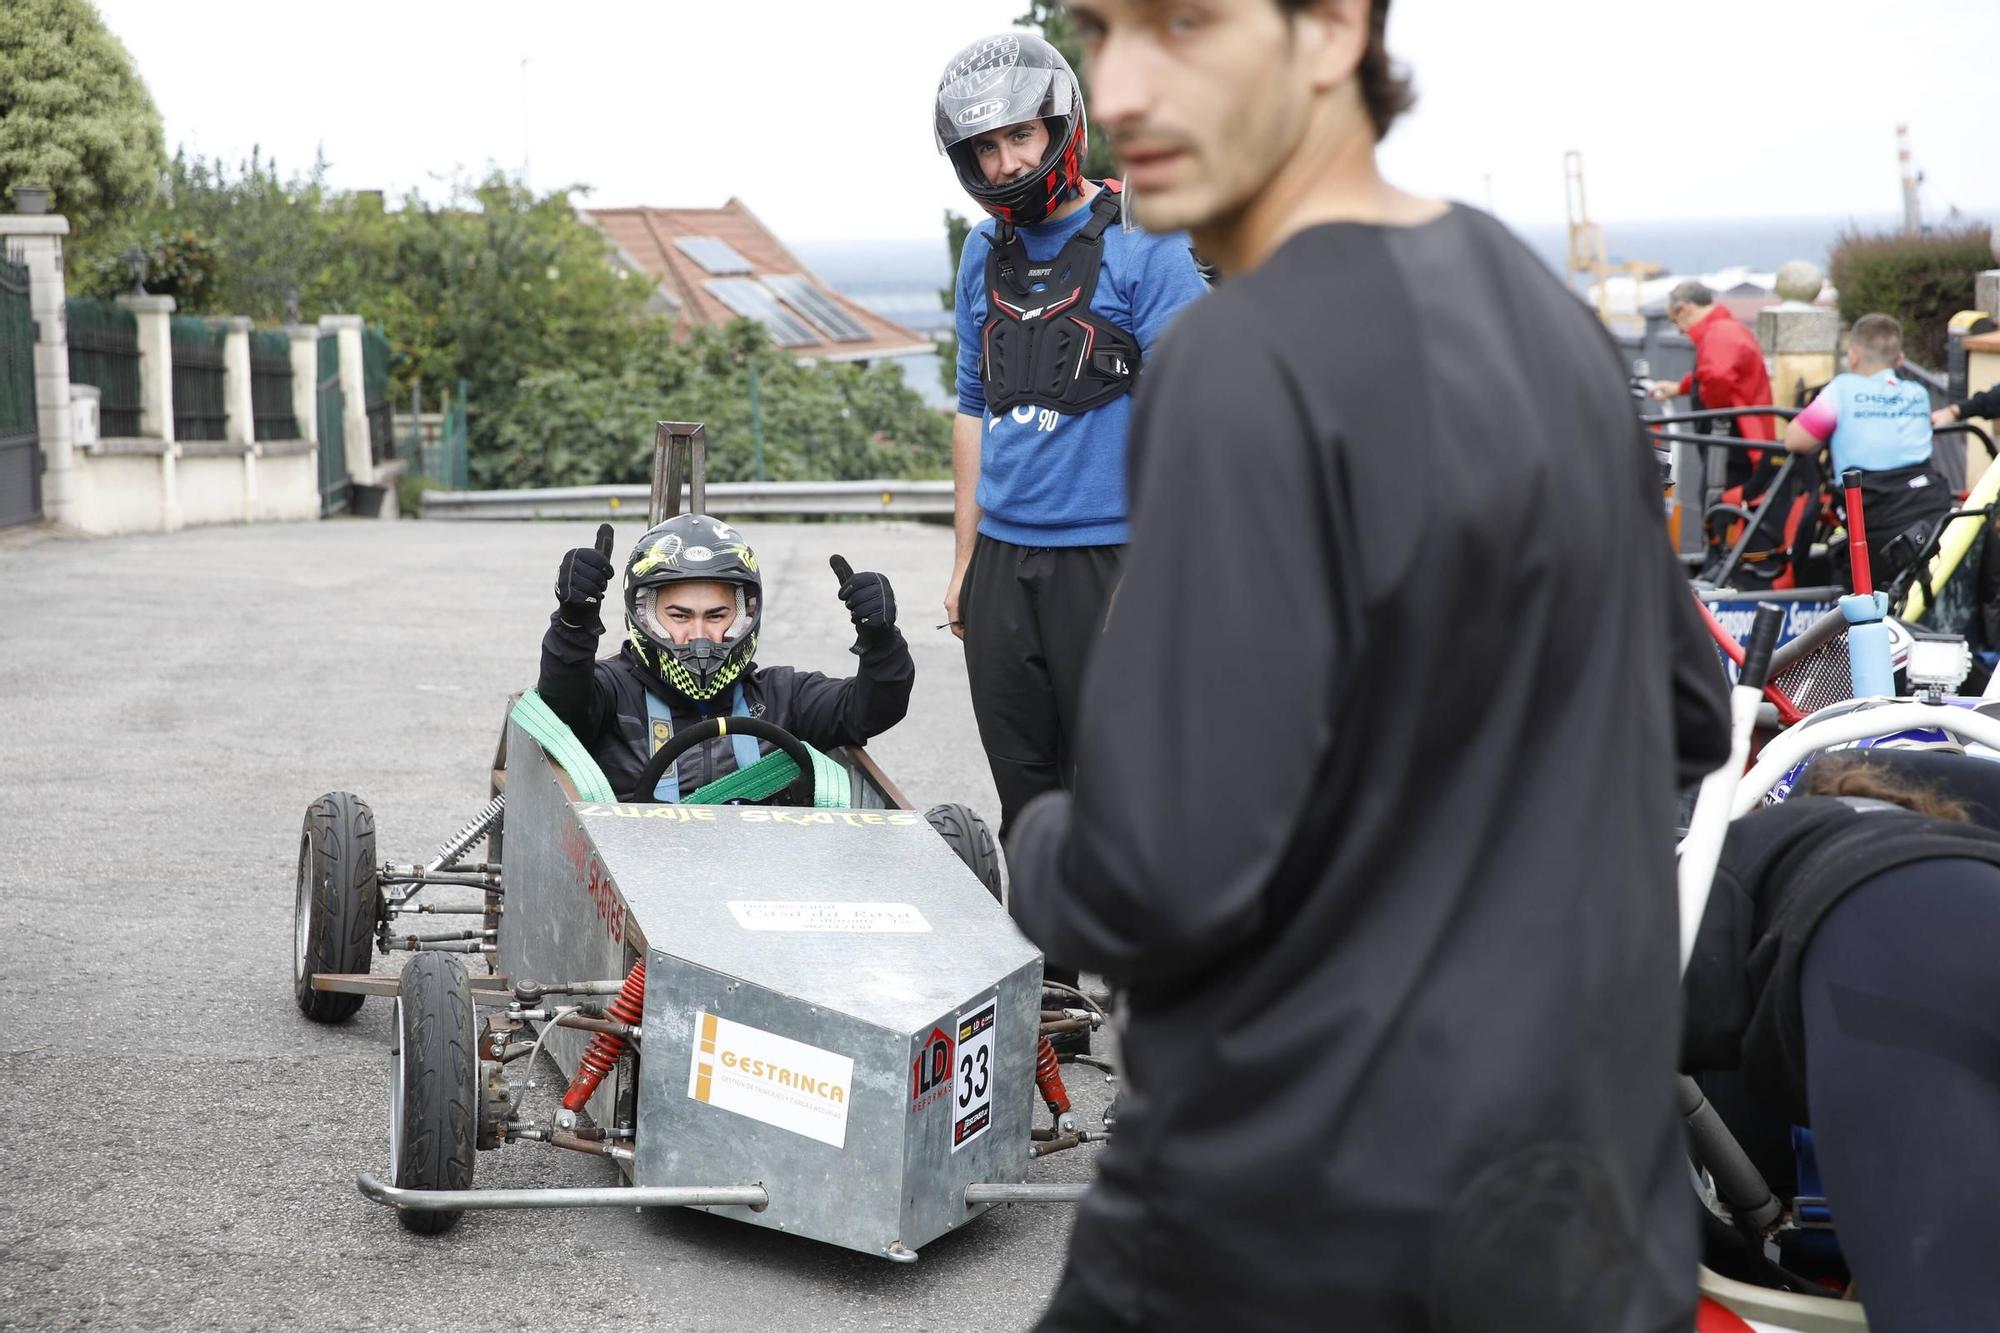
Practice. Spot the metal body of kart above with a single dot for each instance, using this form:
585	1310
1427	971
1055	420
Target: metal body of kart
810	1014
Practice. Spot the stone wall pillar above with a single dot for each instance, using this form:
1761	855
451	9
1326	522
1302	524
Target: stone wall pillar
239	423
38	239
305	378
354	392
156	392
1986	292
1802	339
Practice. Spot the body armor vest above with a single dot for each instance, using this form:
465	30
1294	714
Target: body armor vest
1042	343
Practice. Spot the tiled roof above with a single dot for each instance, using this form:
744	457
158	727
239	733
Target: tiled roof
646	237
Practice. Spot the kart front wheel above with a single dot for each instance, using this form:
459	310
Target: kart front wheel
336	904
966	833
433	1086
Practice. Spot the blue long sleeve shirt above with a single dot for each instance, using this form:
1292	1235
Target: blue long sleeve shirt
1050	478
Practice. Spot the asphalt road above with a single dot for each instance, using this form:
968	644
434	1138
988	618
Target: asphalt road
181	1145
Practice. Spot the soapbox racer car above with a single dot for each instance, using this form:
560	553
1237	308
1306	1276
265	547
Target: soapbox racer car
791	999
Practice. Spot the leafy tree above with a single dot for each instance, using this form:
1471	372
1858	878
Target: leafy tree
73	114
956	228
1921	280
575	426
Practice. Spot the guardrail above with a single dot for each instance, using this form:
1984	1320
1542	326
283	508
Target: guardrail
881	499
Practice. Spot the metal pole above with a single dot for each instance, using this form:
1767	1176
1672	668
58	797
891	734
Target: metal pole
613	1196
1064	1192
756	422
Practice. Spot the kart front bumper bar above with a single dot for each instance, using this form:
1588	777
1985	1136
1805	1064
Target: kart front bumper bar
614	1196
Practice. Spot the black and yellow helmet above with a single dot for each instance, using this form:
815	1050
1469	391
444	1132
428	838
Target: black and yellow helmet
693	548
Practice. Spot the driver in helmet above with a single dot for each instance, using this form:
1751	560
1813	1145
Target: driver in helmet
693	606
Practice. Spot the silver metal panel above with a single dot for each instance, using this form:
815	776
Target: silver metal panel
773	920
893	1182
679	868
554	928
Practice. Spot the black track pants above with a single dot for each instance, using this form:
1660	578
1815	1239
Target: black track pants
1032	615
1902	1024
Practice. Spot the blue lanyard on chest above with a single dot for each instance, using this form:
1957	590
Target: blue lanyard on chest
660	726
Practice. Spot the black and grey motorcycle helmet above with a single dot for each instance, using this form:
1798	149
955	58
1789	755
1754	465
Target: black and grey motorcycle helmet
1004	80
685	549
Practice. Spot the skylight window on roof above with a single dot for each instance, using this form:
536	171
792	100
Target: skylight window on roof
819	308
747	297
713	254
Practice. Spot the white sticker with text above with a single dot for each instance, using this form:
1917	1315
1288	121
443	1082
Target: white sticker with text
831	918
972	1098
771	1078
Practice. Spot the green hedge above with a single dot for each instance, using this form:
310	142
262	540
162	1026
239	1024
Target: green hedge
1921	280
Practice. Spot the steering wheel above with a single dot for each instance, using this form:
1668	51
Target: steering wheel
800	792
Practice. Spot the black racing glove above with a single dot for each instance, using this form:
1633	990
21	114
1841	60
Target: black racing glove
581	581
871	602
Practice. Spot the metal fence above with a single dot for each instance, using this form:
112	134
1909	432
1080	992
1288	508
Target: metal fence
375	389
271	410
104	353
200	411
336	489
20	452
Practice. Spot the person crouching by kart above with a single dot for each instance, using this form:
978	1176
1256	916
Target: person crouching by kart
1845	967
693	607
1879	423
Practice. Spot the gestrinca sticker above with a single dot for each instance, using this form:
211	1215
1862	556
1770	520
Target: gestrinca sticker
771	1078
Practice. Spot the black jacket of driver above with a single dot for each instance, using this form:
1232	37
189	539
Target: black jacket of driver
604	703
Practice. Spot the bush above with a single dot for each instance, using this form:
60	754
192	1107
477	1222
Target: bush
1921	280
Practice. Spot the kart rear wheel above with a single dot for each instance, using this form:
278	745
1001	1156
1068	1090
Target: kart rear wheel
336	903
433	1086
967	834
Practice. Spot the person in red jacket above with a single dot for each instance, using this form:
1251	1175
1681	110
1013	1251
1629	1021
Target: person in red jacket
1728	363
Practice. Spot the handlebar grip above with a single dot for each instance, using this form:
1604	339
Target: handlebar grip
841	569
1763	639
604	540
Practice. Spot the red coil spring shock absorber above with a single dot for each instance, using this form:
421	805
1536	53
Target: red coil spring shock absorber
1048	1079
601	1056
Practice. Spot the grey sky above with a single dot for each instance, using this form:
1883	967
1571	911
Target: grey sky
1704	108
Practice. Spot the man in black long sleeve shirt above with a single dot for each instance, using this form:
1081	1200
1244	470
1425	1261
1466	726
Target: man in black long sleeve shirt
693	603
1377	768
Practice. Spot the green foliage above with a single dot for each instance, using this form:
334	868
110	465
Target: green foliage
573	426
508	290
956	228
73	114
1921	280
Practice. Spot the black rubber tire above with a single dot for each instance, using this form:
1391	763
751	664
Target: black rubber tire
337	902
434	1086
967	834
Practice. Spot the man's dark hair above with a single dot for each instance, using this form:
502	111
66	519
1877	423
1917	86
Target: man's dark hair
1385	90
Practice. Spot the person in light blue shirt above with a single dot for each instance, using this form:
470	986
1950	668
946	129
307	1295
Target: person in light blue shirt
1878	423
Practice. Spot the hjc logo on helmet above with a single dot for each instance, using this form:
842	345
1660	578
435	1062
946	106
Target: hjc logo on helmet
979	111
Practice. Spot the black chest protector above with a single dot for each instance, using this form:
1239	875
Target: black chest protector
1048	347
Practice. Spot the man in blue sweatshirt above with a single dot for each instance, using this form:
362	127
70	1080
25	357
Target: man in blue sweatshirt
1057	305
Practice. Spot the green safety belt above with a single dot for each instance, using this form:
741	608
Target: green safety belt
562	746
767	777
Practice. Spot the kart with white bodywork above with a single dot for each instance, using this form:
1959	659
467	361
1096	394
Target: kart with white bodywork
788	999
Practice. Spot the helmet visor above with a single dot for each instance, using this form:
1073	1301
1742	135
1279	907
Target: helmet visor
989	89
